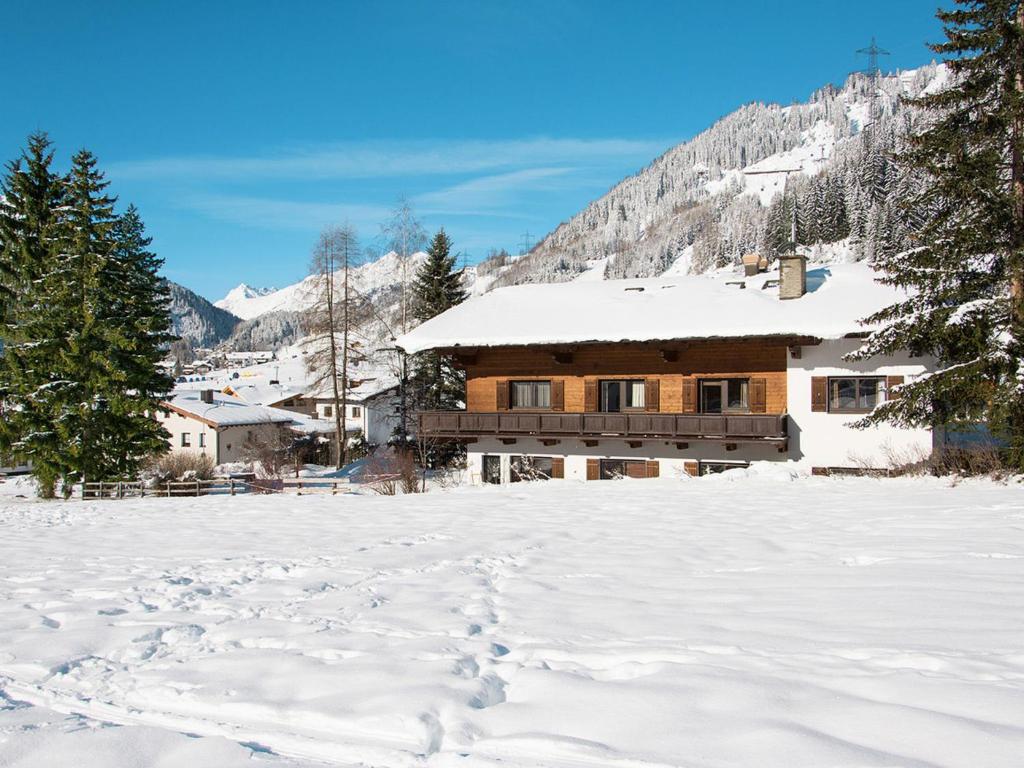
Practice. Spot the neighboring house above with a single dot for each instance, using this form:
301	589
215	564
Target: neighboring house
218	425
372	407
593	380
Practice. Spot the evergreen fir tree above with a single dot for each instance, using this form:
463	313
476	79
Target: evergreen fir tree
436	382
137	333
31	199
966	271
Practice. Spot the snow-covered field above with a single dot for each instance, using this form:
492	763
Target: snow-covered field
729	621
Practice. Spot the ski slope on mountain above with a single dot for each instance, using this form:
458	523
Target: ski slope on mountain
755	618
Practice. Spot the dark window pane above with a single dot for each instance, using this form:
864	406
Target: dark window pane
612	469
844	394
711	397
611	396
867	396
492	469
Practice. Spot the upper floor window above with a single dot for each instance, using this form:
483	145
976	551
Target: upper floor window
529	394
622	395
858	394
355	412
202	439
186	440
725	395
328	411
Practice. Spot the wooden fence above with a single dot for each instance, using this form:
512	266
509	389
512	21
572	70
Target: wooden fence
217	487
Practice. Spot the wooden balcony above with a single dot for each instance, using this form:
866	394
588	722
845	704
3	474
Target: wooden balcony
726	428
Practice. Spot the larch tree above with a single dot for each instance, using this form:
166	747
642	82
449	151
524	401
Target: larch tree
333	323
965	271
437	287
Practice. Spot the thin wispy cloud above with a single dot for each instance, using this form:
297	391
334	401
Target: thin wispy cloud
492	195
271	213
392	158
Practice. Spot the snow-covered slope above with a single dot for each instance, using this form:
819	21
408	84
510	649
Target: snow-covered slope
378	278
196	320
237	298
710	194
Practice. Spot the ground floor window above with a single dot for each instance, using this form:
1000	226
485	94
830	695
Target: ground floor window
491	470
530	468
717	467
855	394
612	469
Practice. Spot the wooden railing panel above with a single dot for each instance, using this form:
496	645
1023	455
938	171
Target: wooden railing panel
740	426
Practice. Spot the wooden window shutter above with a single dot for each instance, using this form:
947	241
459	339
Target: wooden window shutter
653	469
652	395
502	394
892	382
819	394
636	470
593	469
558	467
758	396
692	468
590	396
558	395
689	395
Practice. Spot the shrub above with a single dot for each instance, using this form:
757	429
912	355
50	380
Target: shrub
179	466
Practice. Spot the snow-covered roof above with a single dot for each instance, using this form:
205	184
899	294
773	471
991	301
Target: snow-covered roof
838	297
225	411
259	391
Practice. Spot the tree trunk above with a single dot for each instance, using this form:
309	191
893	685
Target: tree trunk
1017	176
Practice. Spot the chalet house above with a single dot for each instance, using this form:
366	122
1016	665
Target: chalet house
695	374
218	425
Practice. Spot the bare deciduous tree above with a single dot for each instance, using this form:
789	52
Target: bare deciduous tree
404	235
332	322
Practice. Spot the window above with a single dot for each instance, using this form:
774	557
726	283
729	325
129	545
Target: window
202	439
328	411
529	394
724	395
492	470
622	395
612	469
355	412
186	440
855	394
717	467
531	468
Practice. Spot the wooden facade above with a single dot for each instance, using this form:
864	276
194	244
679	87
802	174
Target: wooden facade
673	373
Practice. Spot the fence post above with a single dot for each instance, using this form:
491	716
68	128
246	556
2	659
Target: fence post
232	481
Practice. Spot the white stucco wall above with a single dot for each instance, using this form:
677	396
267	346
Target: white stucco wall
176	424
222	445
353	422
826	439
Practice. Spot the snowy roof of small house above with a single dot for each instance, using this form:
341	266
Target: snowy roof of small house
225	410
838	297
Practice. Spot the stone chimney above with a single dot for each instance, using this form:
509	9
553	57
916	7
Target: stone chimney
206	396
792	276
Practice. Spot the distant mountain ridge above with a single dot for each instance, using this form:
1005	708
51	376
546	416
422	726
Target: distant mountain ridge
196	320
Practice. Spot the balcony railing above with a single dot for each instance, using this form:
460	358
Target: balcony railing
683	427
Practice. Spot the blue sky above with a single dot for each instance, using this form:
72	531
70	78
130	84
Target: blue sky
240	129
